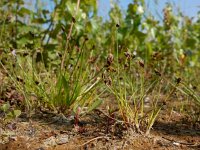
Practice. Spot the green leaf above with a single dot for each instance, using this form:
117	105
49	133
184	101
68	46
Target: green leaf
25	29
9	116
76	94
190	42
23	41
65	84
39	21
13	114
140	35
5	107
17	113
24	11
95	105
50	47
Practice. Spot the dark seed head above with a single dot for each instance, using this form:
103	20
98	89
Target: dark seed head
117	25
25	54
32	34
73	19
178	80
86	38
194	87
63	28
141	64
128	55
110	59
157	72
36	82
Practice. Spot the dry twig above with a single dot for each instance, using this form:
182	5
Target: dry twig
96	138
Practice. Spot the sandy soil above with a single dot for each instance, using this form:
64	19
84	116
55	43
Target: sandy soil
49	131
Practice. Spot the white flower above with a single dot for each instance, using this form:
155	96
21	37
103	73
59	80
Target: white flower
14	53
181	51
152	31
83	15
145	25
131	21
140	10
192	63
134	53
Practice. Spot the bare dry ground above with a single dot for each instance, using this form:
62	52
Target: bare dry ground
46	131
